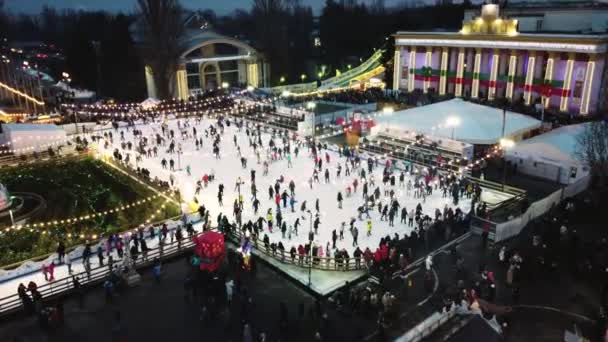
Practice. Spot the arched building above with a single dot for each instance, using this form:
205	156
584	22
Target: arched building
210	60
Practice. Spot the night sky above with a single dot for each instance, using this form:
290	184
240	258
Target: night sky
219	6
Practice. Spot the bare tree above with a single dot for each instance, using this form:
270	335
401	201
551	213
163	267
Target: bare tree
592	148
269	17
162	27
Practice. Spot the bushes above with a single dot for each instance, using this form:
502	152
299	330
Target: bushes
74	188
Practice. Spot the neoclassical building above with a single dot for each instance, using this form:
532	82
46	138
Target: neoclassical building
489	58
210	60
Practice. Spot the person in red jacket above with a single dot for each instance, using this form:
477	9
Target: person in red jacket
277	199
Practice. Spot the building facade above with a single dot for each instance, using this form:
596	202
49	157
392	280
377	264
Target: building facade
564	16
210	61
489	58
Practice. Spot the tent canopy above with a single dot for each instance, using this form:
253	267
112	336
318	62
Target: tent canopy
470	122
557	147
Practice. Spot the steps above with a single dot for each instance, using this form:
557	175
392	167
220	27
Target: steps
449	328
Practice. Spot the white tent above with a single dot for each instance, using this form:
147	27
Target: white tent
29	138
551	155
150	102
461	120
78	93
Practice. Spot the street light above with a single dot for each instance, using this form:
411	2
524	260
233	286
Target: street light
452	121
250	88
225	85
505	144
303	77
310	240
282	79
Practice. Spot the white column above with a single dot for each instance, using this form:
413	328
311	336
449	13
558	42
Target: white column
428	60
150	84
493	74
459	73
587	85
529	77
549	76
443	70
410	78
563	104
476	69
397	68
511	74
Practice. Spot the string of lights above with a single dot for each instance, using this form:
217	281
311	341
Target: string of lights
22	94
74	220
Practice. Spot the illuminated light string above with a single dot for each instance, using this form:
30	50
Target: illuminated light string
95	236
181	111
75	220
34	147
22	94
139	106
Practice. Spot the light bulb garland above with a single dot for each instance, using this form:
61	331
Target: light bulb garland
75	220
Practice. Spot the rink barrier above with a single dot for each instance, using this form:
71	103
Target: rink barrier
318	263
506	230
64	286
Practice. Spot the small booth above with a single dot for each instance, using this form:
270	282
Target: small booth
211	250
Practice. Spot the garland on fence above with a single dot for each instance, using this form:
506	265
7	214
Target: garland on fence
74	220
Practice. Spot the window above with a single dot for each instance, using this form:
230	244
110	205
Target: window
192	68
228	65
194	82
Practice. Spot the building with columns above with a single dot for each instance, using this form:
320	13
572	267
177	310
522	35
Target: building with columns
210	60
490	59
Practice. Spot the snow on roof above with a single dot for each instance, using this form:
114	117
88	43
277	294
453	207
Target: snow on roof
557	146
150	102
78	93
478	124
30	127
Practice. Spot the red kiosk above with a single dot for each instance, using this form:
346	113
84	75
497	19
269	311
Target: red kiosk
211	250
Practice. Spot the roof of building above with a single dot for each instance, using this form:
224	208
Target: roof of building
198	37
30	127
477	329
555	4
556	146
580	43
478	124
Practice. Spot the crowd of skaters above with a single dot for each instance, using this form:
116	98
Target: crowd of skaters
284	147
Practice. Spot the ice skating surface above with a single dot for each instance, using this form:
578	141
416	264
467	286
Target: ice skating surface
228	169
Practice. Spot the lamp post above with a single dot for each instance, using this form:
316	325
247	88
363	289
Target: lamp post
311	107
505	144
452	122
179	159
310	240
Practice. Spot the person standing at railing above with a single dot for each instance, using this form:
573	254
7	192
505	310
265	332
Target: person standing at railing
68	262
100	254
60	252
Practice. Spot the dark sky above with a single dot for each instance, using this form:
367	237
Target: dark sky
220	6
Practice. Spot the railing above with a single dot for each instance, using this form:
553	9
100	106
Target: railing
318	263
427	327
478	225
65	285
384	148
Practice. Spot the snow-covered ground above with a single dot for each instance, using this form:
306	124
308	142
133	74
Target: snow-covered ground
32	271
228	169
